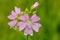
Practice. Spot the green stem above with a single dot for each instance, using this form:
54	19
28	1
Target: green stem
27	37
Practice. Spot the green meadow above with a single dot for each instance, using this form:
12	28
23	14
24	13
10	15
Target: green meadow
48	11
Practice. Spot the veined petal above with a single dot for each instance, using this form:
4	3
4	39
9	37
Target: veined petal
10	17
28	31
12	23
21	25
17	10
36	27
13	15
25	17
35	18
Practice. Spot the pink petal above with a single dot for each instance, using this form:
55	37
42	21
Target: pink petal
25	17
13	15
21	25
36	4
28	31
35	18
17	10
36	27
12	23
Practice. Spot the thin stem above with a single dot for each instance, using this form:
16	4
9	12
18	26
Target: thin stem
27	37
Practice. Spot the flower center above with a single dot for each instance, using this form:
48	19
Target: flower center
29	23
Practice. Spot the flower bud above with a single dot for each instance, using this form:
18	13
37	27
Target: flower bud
36	4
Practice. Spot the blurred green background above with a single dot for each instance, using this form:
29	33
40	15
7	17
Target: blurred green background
48	11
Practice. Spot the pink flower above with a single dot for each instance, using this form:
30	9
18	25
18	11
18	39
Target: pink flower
36	4
13	16
29	24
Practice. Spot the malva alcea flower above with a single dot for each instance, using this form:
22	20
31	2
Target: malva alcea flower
29	24
13	16
22	21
